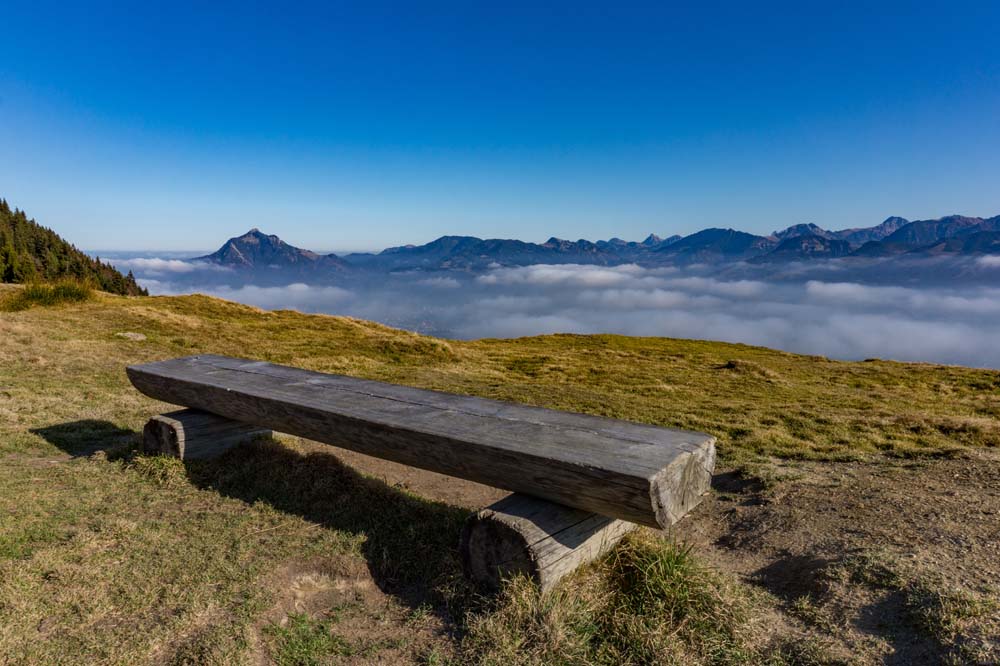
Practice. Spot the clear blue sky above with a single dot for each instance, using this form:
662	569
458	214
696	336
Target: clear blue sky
174	127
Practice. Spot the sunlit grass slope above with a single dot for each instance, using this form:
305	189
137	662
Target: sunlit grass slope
755	400
111	558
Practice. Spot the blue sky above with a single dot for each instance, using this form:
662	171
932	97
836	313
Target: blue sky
165	126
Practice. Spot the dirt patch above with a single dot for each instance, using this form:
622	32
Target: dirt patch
319	585
887	563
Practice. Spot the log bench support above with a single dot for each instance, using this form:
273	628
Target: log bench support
190	434
545	541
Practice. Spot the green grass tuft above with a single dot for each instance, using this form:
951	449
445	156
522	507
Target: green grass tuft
649	602
663	599
47	295
162	470
305	641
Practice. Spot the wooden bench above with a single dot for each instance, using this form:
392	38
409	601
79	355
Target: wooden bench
580	481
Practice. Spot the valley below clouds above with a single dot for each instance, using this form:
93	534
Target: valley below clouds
834	316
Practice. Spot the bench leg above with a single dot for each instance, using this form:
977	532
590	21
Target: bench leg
527	535
190	434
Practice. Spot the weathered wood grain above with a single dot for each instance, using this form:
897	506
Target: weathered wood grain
190	434
545	541
639	473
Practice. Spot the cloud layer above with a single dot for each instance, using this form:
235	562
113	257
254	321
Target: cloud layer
158	266
839	319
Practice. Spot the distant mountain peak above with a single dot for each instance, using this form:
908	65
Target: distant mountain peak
862	235
257	233
255	249
804	229
717	244
925	232
806	246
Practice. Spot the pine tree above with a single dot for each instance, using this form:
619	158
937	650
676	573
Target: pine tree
8	258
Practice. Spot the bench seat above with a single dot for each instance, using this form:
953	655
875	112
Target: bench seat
639	473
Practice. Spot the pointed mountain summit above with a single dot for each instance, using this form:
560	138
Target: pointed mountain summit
653	241
255	249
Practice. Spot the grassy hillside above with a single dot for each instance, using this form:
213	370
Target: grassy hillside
283	553
30	252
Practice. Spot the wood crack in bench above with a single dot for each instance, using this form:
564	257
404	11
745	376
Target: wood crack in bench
580	481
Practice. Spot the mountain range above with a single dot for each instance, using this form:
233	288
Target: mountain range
952	235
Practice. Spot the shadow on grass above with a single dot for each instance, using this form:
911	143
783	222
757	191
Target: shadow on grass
87	436
885	619
411	544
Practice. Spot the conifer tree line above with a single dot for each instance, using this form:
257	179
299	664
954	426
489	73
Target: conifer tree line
30	252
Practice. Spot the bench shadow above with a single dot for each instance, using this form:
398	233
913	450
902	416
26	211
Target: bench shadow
85	437
411	544
885	619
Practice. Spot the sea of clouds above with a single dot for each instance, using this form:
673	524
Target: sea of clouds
835	318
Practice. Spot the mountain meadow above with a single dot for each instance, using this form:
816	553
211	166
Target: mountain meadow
853	516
